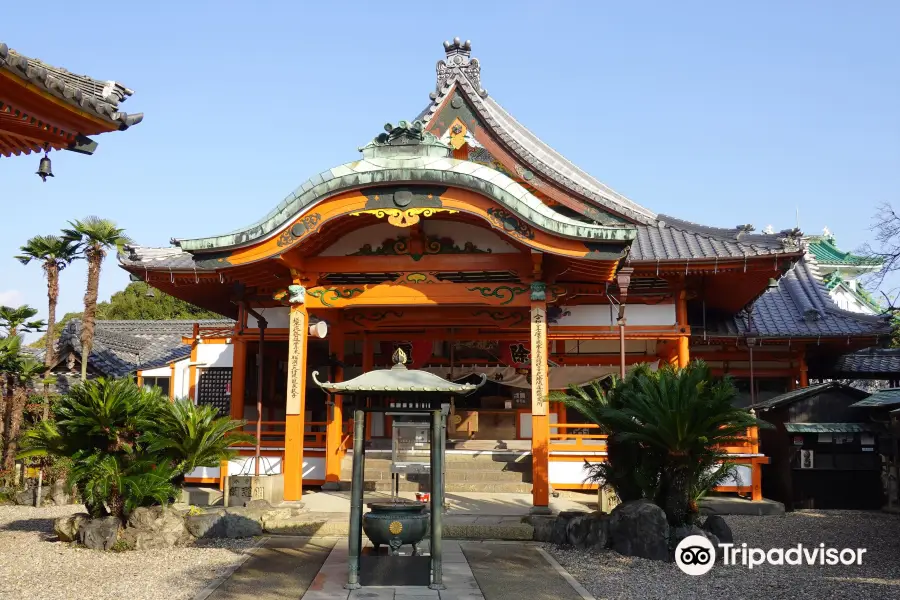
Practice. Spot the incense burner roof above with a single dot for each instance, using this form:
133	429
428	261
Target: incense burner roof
397	379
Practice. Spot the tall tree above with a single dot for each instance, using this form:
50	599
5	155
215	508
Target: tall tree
54	253
94	236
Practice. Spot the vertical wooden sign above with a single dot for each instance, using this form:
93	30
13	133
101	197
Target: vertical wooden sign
539	383
296	362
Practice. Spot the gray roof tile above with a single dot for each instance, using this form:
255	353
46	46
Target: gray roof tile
123	347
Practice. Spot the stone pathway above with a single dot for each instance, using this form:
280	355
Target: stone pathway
281	567
316	569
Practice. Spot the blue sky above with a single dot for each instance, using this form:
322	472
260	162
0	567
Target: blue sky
716	112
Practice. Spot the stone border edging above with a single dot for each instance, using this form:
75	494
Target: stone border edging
213	585
582	591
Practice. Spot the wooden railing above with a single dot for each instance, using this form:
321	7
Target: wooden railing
273	434
572	437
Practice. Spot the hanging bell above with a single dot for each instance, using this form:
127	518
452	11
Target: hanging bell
44	169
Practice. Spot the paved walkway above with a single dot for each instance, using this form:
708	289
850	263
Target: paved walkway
316	569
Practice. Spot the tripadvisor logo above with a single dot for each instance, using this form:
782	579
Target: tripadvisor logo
696	555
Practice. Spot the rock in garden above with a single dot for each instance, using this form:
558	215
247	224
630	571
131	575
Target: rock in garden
25	497
241	524
543	527
560	535
717	526
598	536
59	493
99	534
206	525
258	504
639	528
155	527
66	528
578	530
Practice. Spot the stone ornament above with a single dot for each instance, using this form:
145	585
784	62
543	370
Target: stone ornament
296	294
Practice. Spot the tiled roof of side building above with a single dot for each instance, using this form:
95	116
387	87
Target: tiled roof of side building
100	98
676	239
123	347
871	361
885	398
800	307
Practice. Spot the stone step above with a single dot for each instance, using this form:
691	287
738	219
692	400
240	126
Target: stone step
452	475
405	486
495	464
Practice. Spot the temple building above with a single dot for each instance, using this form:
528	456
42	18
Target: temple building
45	108
463	238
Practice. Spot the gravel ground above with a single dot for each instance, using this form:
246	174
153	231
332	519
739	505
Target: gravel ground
35	566
614	577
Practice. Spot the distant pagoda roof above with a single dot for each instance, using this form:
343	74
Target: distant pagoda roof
827	254
397	379
31	92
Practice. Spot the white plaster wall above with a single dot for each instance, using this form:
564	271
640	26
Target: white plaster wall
165	371
203	472
374	235
587	315
574	472
215	355
743	477
525	424
277	317
460	233
313	466
567	472
182	373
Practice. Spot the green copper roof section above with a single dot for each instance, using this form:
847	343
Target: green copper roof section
827	254
399	157
888	397
830	427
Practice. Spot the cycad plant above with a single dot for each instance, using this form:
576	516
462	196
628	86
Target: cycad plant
130	446
192	436
667	428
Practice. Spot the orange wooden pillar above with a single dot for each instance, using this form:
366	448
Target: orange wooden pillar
756	483
334	429
540	419
238	385
683	354
296	400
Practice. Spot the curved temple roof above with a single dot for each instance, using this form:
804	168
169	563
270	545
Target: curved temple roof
100	98
427	161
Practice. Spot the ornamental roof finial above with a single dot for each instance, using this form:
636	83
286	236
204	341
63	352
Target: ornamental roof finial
458	65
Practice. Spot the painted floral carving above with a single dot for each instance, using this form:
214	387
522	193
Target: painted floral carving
510	223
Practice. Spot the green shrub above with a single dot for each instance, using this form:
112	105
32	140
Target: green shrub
666	428
130	446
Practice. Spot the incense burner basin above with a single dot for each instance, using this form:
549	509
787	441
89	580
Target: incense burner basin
394	524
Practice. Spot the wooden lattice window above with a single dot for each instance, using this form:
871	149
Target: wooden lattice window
214	389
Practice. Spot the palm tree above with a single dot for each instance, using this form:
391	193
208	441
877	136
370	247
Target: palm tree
16	320
667	429
54	253
93	236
